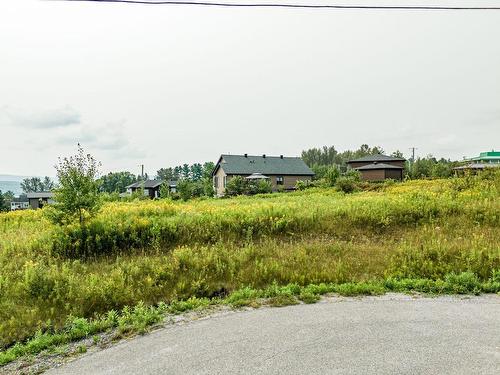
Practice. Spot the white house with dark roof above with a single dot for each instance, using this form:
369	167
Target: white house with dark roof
283	172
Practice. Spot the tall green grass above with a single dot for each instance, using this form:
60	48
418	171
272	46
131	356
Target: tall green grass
163	251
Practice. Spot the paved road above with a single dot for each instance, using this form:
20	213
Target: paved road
375	335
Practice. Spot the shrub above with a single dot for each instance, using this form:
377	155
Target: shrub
236	185
303	185
331	175
346	184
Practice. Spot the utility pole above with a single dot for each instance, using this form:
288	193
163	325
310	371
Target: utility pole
412	160
413	153
142	171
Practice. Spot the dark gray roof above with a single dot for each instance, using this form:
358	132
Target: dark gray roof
148	184
377	166
376	157
43	194
269	165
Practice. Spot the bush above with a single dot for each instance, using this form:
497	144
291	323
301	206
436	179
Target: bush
331	176
346	184
236	185
303	185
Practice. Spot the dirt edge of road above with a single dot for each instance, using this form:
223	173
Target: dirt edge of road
70	352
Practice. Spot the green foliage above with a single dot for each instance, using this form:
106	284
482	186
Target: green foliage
429	166
35	184
188	189
258	187
185	189
329	156
165	190
346	184
116	182
331	176
78	194
236	185
140	318
3	202
303	185
166	174
309	297
239	185
424	235
319	171
195	172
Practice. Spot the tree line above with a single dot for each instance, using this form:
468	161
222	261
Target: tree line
193	180
320	160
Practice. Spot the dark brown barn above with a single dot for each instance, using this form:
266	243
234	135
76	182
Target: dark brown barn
378	167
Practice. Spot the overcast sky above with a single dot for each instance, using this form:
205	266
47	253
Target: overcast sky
164	85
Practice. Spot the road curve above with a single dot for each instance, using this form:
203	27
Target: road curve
392	334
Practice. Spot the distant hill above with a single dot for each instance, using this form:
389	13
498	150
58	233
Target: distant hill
14	186
11	177
12	183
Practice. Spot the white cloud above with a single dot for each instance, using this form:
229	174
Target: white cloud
109	137
40	119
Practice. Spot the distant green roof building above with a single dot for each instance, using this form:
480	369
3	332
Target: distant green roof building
488	157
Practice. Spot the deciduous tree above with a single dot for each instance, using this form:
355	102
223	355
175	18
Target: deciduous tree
78	194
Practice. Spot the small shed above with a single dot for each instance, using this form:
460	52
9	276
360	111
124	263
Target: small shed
40	199
151	187
379	167
380	171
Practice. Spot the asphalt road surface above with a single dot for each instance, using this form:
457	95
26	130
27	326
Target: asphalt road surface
392	334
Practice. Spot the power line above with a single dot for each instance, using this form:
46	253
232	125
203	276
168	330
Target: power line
288	5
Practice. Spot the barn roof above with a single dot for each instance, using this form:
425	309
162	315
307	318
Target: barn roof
149	184
42	194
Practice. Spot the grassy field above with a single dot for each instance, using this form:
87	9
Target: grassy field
430	236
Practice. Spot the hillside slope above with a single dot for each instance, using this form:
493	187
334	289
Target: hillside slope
160	251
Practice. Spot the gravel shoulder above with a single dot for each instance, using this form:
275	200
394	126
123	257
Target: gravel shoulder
388	334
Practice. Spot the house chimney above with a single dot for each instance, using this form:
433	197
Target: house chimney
246	155
281	156
264	156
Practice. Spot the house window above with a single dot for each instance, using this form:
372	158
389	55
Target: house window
216	182
280	180
225	181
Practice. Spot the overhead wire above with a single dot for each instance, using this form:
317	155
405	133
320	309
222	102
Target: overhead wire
295	5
